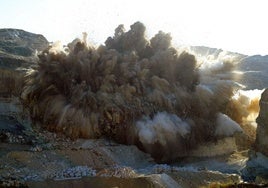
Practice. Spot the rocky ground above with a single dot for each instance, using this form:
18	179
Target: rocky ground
50	160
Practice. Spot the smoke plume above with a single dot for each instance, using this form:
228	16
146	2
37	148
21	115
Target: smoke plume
226	126
132	90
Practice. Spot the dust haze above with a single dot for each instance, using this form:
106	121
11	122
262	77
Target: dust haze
138	91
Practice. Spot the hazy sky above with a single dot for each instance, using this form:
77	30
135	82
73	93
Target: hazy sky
235	25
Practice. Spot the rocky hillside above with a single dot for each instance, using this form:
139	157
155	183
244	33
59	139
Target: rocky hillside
205	51
17	53
254	68
255	71
21	43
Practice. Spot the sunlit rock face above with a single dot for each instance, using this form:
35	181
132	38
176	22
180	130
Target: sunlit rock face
17	55
262	121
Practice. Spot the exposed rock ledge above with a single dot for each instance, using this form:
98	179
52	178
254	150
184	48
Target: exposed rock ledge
261	143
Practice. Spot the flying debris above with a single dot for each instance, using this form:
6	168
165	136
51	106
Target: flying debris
132	90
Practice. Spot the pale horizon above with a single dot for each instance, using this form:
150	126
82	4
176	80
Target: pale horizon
237	26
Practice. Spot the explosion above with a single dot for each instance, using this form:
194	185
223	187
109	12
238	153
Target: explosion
132	90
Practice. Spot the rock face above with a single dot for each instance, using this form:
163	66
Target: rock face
17	54
22	43
17	49
262	129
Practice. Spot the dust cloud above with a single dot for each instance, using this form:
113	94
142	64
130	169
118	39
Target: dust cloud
136	91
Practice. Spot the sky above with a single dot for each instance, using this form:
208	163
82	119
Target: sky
233	25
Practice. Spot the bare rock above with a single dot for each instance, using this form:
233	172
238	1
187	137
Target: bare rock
20	42
17	54
261	144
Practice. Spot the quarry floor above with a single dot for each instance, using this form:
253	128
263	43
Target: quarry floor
54	161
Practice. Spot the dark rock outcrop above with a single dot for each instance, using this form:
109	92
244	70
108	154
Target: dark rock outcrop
17	54
262	129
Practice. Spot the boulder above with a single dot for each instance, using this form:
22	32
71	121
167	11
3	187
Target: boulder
261	144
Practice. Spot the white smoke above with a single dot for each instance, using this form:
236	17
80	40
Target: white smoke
217	67
226	126
162	128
